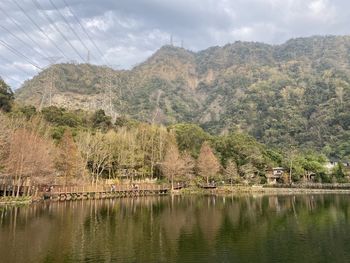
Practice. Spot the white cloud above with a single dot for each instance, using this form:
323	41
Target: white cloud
318	7
322	10
244	33
101	23
128	31
127	57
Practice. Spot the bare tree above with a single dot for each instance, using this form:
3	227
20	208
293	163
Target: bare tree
96	152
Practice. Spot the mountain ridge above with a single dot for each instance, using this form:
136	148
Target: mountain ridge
292	93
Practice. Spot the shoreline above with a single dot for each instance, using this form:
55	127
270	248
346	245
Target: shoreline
227	190
15	200
220	191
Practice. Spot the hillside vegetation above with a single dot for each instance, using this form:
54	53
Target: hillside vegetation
295	94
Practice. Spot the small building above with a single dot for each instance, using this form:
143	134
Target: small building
274	175
333	163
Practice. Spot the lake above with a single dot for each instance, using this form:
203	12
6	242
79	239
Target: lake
301	228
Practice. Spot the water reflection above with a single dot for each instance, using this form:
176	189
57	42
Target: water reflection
309	228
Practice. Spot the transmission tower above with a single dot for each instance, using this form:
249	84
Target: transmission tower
108	90
52	61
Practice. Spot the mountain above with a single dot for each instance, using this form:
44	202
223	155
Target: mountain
297	93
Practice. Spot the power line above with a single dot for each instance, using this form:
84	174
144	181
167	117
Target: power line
20	40
8	77
40	29
21	29
71	28
85	31
18	53
10	62
52	23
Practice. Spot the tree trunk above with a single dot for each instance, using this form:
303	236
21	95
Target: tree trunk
18	186
172	182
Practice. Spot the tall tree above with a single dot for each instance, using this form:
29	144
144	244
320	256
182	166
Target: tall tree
6	96
29	156
96	151
189	165
69	160
173	165
231	172
208	164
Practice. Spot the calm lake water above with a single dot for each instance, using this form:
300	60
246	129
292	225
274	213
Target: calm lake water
302	228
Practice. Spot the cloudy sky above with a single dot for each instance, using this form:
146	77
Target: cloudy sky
122	33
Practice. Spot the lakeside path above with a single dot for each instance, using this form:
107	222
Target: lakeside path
220	190
278	191
228	190
15	200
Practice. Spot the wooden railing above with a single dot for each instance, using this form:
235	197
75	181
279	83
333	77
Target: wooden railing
107	188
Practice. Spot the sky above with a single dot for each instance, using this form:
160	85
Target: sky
123	33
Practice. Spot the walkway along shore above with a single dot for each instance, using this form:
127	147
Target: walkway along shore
100	192
134	190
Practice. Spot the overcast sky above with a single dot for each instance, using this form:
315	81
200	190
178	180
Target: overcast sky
126	32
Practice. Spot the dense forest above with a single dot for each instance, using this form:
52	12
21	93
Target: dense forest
77	146
295	94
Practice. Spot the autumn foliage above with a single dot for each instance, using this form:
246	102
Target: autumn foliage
69	161
29	156
173	165
207	163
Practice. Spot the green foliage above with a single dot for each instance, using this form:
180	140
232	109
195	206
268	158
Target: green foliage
338	171
190	137
250	156
57	132
28	111
121	121
304	163
6	96
61	117
100	120
297	93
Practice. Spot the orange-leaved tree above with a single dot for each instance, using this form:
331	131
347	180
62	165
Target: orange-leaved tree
69	160
173	165
30	155
207	163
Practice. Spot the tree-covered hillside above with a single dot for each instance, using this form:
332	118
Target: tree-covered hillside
294	94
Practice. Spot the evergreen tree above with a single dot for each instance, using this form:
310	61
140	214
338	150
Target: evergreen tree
101	120
6	96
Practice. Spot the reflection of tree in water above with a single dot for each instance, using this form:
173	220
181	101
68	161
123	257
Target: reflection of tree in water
179	229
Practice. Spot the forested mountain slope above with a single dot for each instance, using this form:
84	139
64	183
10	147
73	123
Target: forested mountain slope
297	93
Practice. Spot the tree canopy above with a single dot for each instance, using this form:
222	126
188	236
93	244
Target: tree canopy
6	96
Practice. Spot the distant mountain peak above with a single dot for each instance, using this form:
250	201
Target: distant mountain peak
277	93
